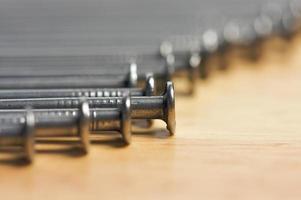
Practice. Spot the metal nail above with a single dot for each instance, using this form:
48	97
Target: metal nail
71	81
63	122
21	135
149	90
181	62
143	107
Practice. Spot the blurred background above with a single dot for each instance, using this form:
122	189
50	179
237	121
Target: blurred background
236	69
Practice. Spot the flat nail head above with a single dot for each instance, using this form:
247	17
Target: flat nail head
29	141
133	75
194	64
125	121
150	85
169	110
83	126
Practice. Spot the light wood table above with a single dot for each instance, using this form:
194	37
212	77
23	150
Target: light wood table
238	138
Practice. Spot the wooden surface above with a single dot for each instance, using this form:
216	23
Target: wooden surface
239	138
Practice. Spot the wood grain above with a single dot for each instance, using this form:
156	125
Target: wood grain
238	138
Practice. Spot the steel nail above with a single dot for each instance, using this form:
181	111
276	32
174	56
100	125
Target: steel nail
143	107
21	134
149	90
71	81
179	62
63	122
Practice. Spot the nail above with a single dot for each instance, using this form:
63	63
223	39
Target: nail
181	62
63	122
149	90
71	81
143	107
21	135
